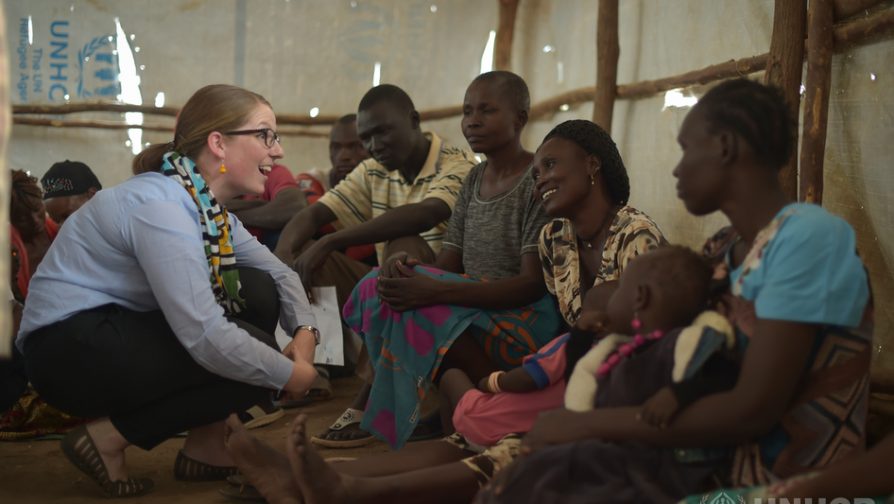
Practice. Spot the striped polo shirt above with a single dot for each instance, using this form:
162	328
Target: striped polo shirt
370	190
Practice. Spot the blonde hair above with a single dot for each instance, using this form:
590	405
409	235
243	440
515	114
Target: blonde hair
218	107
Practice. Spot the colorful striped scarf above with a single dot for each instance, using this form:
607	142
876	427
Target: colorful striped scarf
216	231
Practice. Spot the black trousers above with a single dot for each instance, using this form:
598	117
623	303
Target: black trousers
12	379
129	366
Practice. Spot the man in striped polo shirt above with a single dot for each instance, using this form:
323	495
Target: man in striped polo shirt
401	199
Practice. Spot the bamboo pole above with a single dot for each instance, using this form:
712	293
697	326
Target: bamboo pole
607	53
505	32
816	99
784	70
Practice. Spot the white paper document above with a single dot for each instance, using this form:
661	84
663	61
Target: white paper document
331	350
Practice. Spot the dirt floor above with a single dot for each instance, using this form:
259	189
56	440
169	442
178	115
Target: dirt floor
36	471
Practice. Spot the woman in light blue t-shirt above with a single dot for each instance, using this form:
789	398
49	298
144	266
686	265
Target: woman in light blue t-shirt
798	298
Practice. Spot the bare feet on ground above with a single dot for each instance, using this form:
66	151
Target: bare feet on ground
319	482
265	468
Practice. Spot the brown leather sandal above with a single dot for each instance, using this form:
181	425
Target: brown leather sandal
189	469
78	447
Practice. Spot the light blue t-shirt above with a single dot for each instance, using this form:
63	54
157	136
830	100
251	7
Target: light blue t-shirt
139	245
809	272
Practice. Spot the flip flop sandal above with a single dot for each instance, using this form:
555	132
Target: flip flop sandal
260	415
293	403
336	460
350	417
190	469
320	389
243	492
78	447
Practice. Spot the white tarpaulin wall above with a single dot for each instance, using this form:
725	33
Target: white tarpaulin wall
324	54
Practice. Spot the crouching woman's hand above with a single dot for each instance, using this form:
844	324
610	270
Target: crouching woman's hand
301	351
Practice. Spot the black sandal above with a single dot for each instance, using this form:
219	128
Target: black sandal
189	469
78	447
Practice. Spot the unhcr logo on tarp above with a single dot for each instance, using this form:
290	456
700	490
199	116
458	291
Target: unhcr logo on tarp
52	64
98	69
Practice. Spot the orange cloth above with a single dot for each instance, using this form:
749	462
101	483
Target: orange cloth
23	274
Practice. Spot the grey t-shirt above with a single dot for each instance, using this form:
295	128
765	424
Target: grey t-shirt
493	234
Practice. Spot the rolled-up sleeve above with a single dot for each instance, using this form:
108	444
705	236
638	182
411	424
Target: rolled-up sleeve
166	240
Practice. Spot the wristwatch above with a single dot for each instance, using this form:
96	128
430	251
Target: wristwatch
313	330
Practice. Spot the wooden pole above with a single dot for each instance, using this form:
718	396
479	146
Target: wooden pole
784	70
73	108
863	30
816	99
58	123
607	53
847	8
505	32
708	74
642	89
7	317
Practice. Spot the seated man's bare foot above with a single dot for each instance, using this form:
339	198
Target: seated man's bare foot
319	482
265	468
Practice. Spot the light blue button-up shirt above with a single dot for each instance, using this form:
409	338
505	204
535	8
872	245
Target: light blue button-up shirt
139	245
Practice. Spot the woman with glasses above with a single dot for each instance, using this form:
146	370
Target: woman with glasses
154	310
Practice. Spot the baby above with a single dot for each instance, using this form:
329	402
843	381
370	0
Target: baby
658	293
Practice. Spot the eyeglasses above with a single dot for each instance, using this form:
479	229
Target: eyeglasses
268	135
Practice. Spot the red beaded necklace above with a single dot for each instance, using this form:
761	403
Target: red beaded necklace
628	348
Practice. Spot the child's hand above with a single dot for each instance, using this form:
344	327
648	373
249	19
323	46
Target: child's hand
482	384
660	409
592	321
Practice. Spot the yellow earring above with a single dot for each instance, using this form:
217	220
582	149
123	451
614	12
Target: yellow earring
223	169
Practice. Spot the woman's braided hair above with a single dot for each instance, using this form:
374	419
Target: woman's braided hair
26	198
756	112
597	142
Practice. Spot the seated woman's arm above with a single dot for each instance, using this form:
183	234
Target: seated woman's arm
773	366
413	290
516	380
448	259
862	475
537	372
